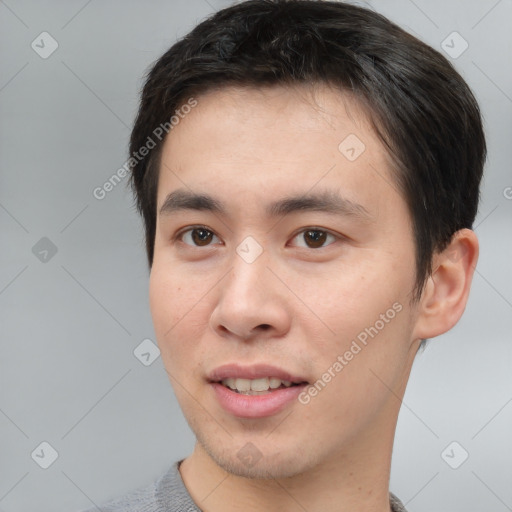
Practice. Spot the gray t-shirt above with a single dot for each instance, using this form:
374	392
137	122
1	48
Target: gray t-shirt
169	494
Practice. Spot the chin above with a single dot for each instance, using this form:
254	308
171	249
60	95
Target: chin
249	462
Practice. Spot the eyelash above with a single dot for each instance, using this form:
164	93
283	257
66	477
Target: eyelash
179	235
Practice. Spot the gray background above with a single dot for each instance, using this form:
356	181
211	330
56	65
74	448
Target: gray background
70	323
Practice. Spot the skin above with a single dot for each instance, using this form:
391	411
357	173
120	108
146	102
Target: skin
295	306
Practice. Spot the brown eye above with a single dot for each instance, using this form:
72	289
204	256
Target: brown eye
201	236
198	237
314	238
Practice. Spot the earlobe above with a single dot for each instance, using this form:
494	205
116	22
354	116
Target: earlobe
446	291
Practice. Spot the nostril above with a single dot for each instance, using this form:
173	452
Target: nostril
223	330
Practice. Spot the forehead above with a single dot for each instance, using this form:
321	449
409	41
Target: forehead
253	143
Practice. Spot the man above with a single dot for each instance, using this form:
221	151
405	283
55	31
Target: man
308	206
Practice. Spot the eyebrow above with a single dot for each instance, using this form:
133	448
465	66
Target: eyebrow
327	201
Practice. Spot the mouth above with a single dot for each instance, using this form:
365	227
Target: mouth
255	391
256	387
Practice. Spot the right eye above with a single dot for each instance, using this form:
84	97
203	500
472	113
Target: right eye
199	236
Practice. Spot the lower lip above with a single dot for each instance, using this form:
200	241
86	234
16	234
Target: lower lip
255	406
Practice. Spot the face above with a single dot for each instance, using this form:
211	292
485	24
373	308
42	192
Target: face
283	254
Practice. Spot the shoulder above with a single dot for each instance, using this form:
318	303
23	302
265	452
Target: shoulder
139	500
167	494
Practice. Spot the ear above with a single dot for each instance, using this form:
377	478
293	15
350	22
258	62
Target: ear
446	291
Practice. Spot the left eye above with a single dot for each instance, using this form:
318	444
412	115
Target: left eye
314	238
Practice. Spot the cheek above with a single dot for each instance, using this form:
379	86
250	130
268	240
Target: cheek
179	310
169	300
164	294
364	302
356	379
348	293
173	294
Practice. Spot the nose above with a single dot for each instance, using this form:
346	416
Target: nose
251	302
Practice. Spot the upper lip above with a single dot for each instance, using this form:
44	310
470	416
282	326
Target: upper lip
254	371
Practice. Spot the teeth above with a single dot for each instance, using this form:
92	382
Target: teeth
230	383
259	384
274	383
246	386
243	384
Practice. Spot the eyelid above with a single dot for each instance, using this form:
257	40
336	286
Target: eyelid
191	227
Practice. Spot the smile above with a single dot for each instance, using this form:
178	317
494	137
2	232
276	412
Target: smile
256	386
255	391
